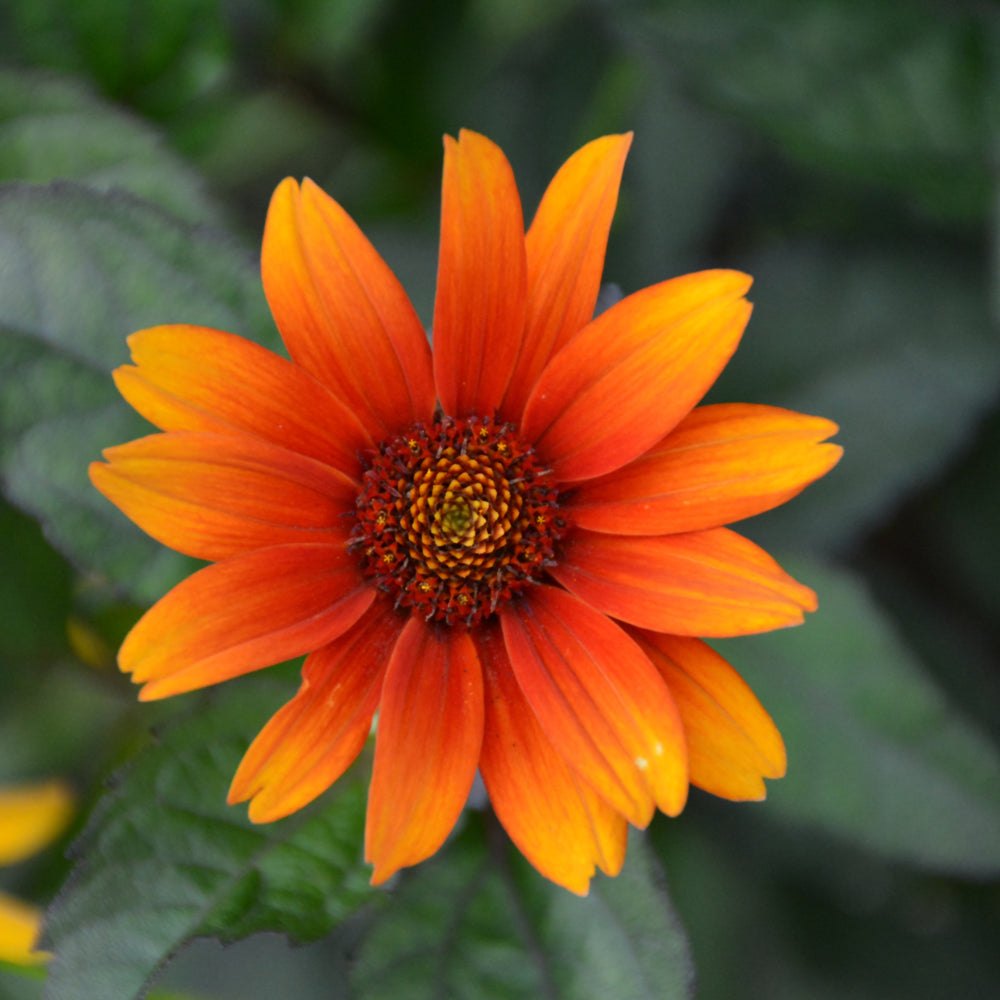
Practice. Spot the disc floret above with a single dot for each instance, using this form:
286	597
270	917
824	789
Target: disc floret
456	518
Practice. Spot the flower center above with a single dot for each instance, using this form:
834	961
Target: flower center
455	519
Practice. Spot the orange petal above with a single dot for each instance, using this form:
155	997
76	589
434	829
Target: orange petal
565	255
310	742
213	496
481	286
341	311
600	702
31	817
632	374
248	612
430	731
720	464
555	820
190	378
20	924
710	583
732	742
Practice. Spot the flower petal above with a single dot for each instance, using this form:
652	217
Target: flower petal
720	464
31	817
713	583
732	742
341	311
556	821
565	249
632	374
213	496
481	286
430	731
248	612
600	702
313	739
20	924
191	378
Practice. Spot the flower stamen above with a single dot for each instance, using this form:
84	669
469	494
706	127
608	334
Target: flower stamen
455	519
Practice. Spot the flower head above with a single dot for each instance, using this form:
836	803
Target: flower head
504	547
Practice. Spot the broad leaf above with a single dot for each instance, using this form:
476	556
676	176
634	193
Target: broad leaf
683	163
35	589
876	754
162	56
164	859
899	95
79	272
479	923
54	129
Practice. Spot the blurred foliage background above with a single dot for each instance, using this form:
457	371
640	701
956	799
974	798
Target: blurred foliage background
845	153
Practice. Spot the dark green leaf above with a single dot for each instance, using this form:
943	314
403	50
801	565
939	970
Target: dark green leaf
875	752
895	94
19	983
53	129
60	725
683	160
479	922
79	271
164	859
160	54
35	588
324	31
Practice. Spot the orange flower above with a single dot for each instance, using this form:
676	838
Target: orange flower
502	547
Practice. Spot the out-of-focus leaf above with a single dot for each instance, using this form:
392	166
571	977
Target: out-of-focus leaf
963	513
896	347
159	54
876	754
79	271
60	726
896	94
517	20
54	129
323	31
682	161
255	139
164	859
21	982
35	592
478	922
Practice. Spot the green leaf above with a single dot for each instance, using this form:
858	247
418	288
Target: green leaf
160	54
79	272
477	922
35	592
61	724
54	129
680	170
21	983
322	32
899	95
164	859
876	754
897	346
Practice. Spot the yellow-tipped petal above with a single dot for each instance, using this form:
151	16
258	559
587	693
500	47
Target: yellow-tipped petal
31	817
20	924
732	742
